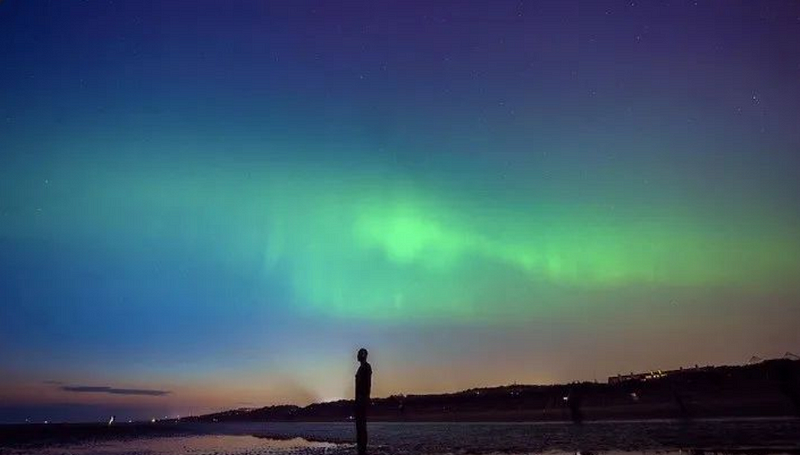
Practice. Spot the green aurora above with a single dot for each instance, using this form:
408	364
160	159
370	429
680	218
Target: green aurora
365	245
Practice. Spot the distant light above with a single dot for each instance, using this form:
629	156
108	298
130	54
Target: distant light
153	420
566	398
46	421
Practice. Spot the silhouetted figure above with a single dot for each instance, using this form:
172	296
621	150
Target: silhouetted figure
363	386
574	401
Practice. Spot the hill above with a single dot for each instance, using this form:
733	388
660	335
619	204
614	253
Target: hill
765	389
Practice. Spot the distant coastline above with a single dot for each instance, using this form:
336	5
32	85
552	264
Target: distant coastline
769	388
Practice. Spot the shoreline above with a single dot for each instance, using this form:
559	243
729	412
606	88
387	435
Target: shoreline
765	435
767	389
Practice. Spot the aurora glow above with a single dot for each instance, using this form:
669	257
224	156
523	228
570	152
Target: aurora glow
222	202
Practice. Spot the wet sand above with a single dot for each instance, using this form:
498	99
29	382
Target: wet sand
197	445
753	436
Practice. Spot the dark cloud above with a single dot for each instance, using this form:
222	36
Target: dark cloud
114	390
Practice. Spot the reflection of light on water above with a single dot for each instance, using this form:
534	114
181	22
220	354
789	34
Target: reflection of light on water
296	443
209	444
770	436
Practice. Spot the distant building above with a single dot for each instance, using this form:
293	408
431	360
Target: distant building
649	376
620	378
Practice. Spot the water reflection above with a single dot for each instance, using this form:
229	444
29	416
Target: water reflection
251	445
709	437
196	445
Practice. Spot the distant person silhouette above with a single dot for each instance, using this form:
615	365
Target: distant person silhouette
363	386
574	401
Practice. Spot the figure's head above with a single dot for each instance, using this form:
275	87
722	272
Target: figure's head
362	355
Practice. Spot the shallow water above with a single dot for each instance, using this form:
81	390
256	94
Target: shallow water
214	444
611	438
763	435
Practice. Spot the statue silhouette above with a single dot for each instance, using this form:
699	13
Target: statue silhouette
363	386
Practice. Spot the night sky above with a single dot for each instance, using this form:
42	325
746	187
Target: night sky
209	205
